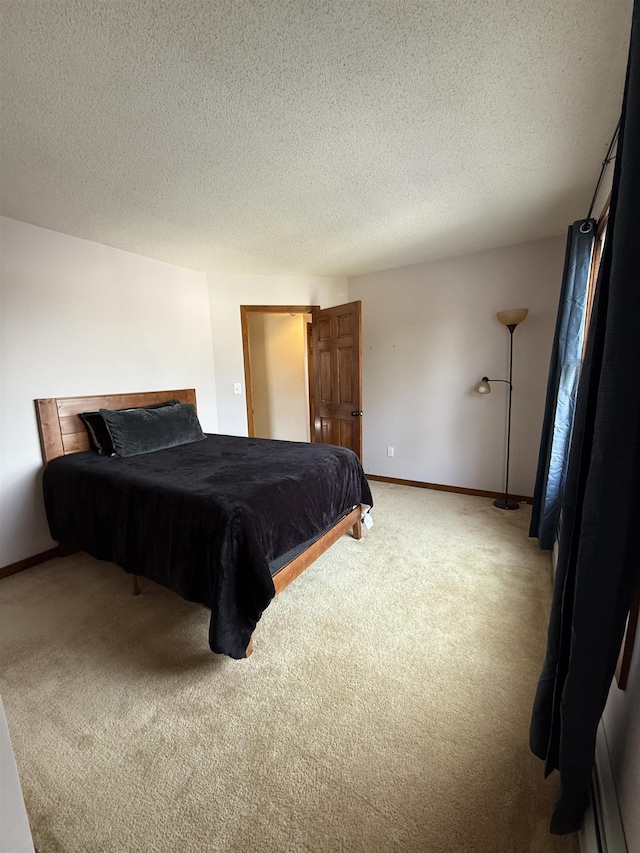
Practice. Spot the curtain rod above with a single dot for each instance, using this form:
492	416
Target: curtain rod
605	163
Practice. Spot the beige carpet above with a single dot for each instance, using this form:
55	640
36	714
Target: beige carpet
385	707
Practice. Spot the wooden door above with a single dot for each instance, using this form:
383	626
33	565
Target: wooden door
337	369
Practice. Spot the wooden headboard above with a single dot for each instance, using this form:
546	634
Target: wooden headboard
62	430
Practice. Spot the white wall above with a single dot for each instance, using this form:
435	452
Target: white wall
226	294
81	318
429	334
622	729
279	375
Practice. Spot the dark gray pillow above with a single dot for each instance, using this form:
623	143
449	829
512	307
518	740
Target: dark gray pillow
99	436
136	431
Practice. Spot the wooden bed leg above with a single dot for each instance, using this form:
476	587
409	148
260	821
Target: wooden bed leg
249	648
136	588
357	529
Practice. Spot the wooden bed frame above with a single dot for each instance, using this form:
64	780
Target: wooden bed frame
62	431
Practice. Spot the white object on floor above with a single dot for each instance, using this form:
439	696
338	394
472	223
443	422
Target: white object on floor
15	834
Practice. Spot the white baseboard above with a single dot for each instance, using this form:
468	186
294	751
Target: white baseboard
602	831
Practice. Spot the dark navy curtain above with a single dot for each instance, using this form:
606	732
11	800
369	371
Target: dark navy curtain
599	540
562	386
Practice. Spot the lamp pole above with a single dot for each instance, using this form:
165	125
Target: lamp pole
511	319
506	503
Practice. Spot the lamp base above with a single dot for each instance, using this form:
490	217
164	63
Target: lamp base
507	503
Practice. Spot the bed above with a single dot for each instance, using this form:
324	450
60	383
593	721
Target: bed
227	522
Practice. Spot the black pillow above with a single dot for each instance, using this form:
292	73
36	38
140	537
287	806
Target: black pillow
137	431
99	435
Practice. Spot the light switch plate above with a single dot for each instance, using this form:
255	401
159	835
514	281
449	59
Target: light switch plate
237	388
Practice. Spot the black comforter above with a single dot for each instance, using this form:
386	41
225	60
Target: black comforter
210	520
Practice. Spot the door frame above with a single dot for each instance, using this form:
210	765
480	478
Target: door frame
311	383
245	310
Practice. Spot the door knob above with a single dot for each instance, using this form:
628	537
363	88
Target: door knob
356	414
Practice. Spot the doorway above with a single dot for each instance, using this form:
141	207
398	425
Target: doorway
277	371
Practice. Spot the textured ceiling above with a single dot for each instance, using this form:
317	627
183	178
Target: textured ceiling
307	136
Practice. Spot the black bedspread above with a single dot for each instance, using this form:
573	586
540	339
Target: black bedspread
205	519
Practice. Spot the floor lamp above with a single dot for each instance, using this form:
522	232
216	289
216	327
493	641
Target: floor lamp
511	319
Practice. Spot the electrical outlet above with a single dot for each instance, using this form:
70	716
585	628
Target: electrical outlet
390	451
237	388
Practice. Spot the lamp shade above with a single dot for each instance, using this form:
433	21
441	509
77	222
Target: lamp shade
513	316
483	386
